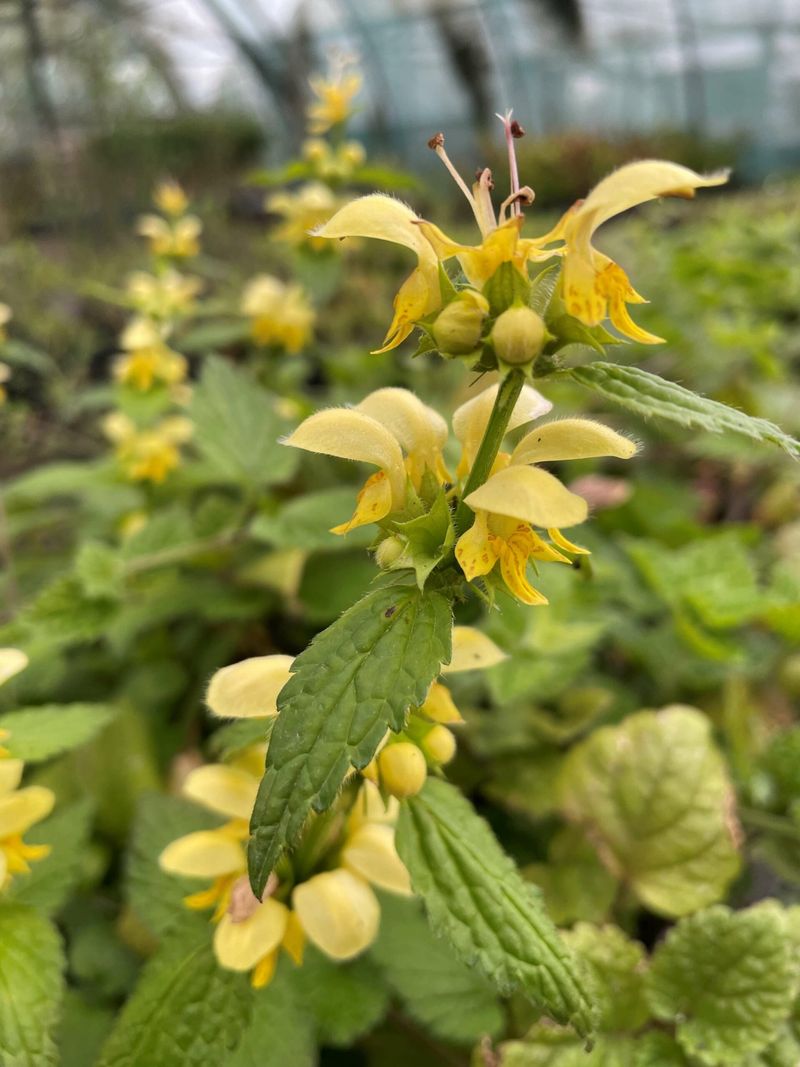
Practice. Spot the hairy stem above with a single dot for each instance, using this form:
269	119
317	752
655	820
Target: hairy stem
507	396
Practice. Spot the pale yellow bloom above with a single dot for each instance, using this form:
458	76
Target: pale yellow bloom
176	238
249	689
20	809
12	661
333	164
472	650
163	296
303	211
170	198
334	98
280	313
147	358
147	455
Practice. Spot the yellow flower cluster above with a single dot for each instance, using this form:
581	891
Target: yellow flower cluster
303	211
334	94
20	807
394	431
333	164
147	360
280	313
149	454
174	234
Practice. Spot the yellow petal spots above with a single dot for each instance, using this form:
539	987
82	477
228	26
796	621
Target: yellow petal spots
559	539
21	809
513	567
370	853
418	295
204	854
350	434
249	689
226	790
12	661
339	913
421	431
472	650
476	550
439	705
615	289
239	946
471	418
10	775
373	503
530	495
572	439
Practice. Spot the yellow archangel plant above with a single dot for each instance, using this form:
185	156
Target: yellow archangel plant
280	313
176	236
334	94
146	359
147	454
404	438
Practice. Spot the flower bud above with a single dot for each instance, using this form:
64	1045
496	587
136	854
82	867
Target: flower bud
458	328
403	769
352	154
439	745
518	335
388	552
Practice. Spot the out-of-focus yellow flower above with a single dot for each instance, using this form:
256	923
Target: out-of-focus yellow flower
281	314
5	318
163	297
12	661
303	211
249	689
333	164
334	97
147	455
176	238
20	809
5	374
170	198
147	359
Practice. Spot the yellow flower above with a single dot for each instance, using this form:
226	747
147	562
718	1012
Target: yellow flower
519	496
19	810
334	94
170	198
281	314
333	164
177	238
249	689
378	431
5	318
147	455
147	358
12	661
162	296
303	211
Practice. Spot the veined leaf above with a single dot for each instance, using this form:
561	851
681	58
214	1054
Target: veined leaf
281	1032
727	980
38	733
477	899
649	395
355	681
617	967
31	963
341	1001
546	1047
654	798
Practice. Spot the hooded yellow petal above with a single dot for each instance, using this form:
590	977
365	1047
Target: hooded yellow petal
10	775
12	661
370	853
418	295
572	439
204	854
226	790
21	809
530	495
418	428
439	705
373	503
239	946
350	434
471	418
249	689
472	650
476	549
380	217
339	913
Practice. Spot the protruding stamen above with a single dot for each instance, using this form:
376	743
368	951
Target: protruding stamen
512	131
436	143
482	195
525	196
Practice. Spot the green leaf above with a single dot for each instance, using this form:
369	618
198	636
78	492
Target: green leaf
574	882
428	538
450	1000
355	681
553	1048
37	734
343	1000
281	1032
52	880
727	981
84	1027
653	795
648	395
187	1011
99	570
31	964
506	287
570	331
477	899
63	614
617	967
231	738
237	427
305	522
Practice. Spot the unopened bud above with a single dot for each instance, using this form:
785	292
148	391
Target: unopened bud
458	328
518	335
388	552
403	769
439	745
352	153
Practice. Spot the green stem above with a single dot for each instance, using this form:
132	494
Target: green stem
496	428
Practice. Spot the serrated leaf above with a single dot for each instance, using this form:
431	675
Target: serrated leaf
543	1048
305	522
617	966
574	882
649	395
477	899
281	1032
98	568
727	981
653	796
506	287
186	1011
31	984
62	613
428	538
237	427
37	734
355	681
543	286
52	880
453	1002
341	1000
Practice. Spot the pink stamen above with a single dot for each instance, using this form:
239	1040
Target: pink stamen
513	169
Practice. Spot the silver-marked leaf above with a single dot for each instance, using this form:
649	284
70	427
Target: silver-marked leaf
477	899
355	681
